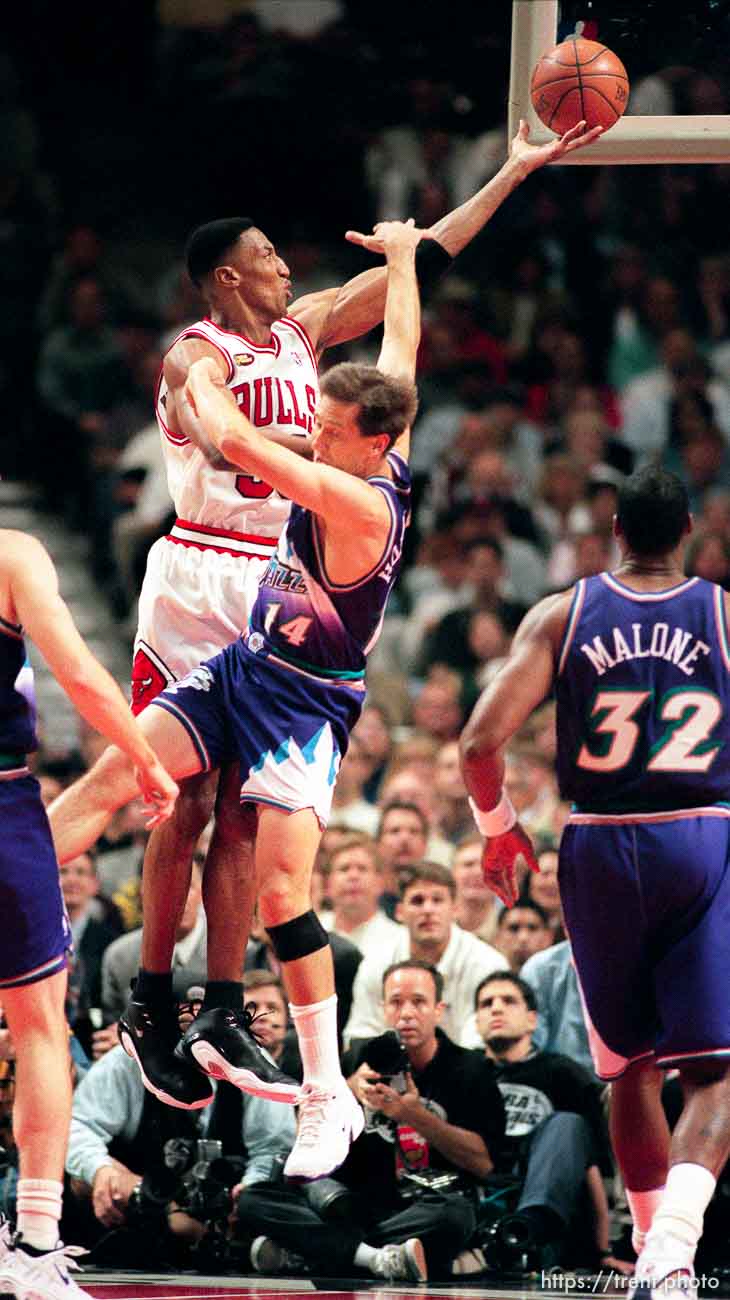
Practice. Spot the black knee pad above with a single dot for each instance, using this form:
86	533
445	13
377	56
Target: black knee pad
299	937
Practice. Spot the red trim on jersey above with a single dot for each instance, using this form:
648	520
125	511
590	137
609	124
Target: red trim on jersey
190	332
200	542
291	320
255	538
257	347
193	333
177	438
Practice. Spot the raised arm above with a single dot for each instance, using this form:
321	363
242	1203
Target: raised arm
518	688
458	228
44	615
402	332
336	315
331	493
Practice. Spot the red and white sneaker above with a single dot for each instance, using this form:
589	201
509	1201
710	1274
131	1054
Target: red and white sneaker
328	1123
665	1268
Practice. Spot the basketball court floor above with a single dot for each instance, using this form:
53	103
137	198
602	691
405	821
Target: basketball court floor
187	1286
128	1286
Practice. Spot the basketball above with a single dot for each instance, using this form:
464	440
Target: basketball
576	81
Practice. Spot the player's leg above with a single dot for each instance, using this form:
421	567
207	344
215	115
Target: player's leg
685	866
36	936
616	985
329	1117
220	1040
42	1108
229	881
79	816
148	1027
167	869
640	1138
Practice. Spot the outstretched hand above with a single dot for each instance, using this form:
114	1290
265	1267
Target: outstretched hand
536	155
388	236
499	862
159	792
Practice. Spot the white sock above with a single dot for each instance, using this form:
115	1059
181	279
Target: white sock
39	1210
316	1027
686	1196
365	1256
643	1207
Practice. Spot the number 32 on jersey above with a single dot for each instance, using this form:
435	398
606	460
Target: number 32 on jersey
686	745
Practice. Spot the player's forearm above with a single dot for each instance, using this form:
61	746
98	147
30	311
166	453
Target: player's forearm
402	316
483	772
458	228
461	1146
204	438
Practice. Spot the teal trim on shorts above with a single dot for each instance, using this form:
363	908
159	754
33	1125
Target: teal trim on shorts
333	673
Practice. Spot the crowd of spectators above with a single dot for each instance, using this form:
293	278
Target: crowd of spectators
587	331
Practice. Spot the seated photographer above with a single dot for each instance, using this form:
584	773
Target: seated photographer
135	1163
402	1206
554	1142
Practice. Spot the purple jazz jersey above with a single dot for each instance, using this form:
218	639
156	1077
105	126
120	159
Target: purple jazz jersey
36	933
647	908
643	698
643	721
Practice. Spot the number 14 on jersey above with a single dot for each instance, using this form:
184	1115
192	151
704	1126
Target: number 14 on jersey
294	631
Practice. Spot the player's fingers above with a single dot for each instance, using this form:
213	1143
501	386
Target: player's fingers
356	236
586	138
524	129
531	860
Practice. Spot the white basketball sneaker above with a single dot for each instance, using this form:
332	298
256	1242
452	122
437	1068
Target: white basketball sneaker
40	1277
328	1123
665	1268
6	1238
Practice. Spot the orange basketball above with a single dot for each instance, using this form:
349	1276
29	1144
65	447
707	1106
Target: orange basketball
579	80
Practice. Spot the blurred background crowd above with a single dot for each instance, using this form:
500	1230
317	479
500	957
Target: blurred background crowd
586	331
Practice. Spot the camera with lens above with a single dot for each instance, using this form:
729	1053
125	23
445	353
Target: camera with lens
194	1174
148	1202
389	1058
205	1190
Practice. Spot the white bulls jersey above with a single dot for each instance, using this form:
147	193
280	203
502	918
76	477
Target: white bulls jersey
202	578
276	387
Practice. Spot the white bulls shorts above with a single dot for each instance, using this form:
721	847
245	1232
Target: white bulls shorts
199	589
